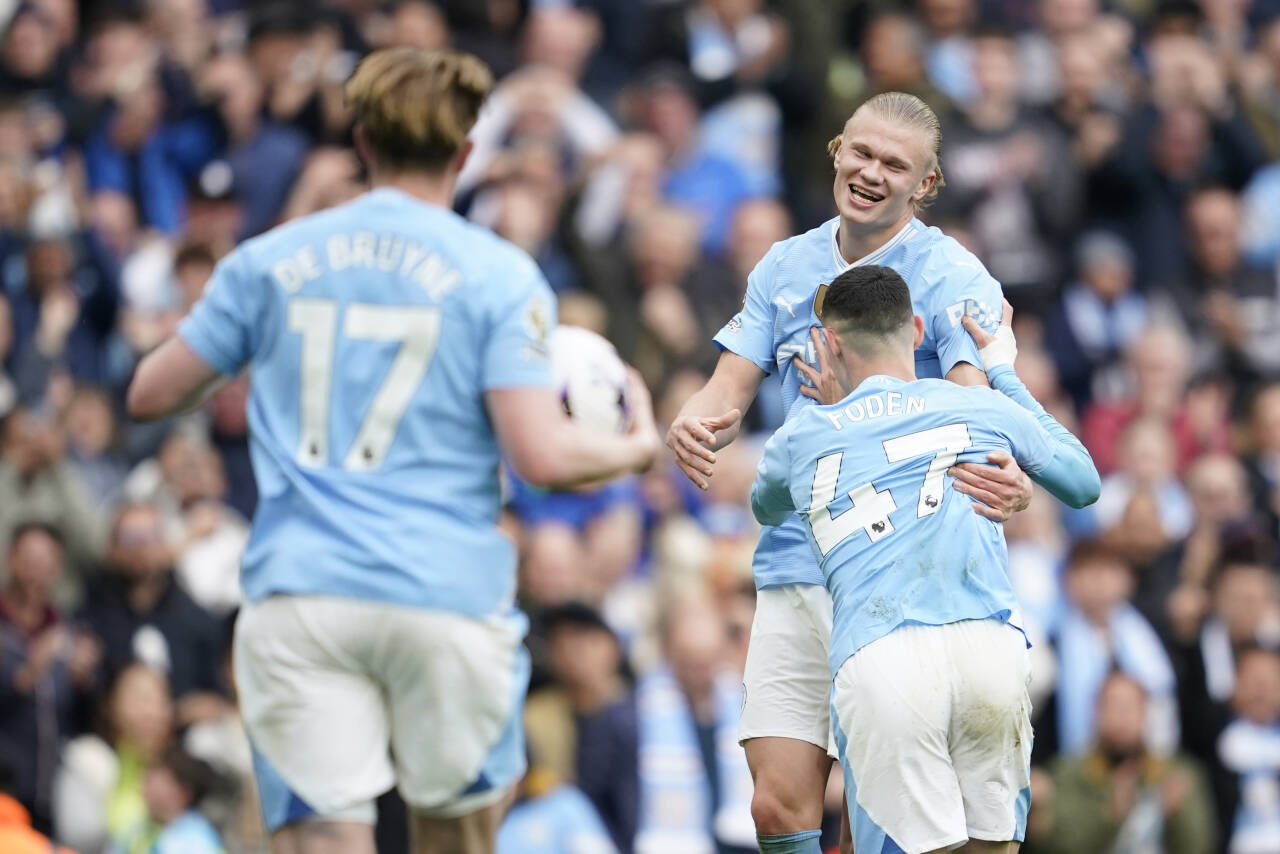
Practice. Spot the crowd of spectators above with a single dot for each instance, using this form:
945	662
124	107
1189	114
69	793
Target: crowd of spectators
1115	163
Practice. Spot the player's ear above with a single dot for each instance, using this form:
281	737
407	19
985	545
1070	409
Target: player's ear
362	145
918	333
460	159
834	344
925	186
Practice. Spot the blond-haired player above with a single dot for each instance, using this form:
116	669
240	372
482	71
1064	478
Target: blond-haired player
886	170
397	353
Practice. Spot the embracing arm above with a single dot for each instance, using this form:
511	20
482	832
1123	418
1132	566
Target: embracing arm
1070	475
771	502
999	486
963	373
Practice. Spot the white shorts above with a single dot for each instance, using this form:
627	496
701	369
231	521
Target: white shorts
938	744
345	698
786	689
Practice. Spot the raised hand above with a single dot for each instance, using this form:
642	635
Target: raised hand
692	438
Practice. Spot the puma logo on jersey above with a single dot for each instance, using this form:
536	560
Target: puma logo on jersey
789	306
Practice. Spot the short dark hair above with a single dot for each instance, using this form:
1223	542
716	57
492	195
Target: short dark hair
869	300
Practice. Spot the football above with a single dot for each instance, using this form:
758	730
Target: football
592	378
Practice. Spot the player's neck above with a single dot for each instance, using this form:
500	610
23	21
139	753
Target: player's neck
433	189
886	365
857	241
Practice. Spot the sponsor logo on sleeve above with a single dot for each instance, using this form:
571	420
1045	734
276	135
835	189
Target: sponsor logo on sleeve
977	309
537	318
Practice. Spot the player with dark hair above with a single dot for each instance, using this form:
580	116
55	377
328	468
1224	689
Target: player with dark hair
929	661
886	169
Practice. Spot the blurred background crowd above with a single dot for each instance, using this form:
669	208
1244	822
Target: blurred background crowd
1113	162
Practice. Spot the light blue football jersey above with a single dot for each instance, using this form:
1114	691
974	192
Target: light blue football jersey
946	281
373	331
895	542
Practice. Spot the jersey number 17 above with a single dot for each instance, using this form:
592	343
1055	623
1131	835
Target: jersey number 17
316	320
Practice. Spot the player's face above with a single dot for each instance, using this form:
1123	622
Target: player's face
882	167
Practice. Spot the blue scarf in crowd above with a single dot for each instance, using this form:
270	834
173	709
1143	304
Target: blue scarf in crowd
676	813
1252	751
1086	654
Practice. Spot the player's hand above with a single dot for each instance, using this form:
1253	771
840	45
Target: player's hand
994	349
644	430
998	490
830	383
691	438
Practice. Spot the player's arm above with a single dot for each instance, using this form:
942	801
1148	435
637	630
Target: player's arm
963	373
1000	484
170	380
544	446
1002	487
711	418
213	343
546	449
770	493
1068	472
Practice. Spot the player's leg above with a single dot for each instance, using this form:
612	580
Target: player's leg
474	833
455	687
786	720
318	836
892	702
846	832
790	777
991	730
317	723
981	846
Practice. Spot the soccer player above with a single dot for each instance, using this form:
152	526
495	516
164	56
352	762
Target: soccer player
397	351
929	664
886	169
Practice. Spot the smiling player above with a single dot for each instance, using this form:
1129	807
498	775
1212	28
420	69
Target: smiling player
886	169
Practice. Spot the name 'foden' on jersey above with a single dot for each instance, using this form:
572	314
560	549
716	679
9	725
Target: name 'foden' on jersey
876	405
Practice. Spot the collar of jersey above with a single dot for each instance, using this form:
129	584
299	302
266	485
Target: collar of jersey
398	195
878	381
868	385
904	234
